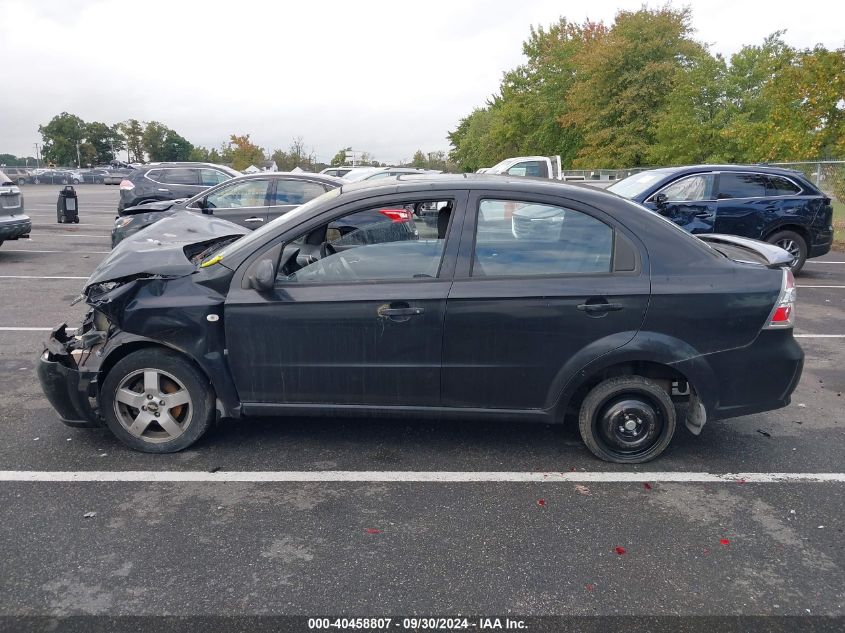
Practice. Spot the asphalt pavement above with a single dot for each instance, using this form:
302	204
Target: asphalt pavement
598	540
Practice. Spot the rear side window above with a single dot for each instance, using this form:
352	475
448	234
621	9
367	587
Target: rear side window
526	239
534	168
154	174
179	176
736	185
296	191
211	177
780	186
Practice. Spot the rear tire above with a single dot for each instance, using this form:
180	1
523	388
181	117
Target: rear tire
793	243
627	420
21	182
156	401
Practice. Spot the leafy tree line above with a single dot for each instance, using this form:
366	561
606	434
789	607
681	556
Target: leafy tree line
643	91
68	140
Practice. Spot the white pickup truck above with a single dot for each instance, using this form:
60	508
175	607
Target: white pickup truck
535	166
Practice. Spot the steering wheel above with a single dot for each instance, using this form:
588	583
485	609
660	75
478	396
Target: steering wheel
327	249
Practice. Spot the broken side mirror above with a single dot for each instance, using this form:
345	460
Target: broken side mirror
263	276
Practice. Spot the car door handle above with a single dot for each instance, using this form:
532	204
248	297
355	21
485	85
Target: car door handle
703	214
254	220
385	311
595	308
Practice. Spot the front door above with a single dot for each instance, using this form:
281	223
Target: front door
539	292
356	314
690	203
244	202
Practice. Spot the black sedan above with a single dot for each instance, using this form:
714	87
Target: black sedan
250	201
599	309
780	206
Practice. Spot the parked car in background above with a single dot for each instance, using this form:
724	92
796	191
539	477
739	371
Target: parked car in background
116	175
376	173
94	175
13	223
532	166
779	206
328	310
339	172
52	177
250	201
170	181
18	175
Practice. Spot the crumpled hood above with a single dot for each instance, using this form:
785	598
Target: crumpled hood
158	205
158	250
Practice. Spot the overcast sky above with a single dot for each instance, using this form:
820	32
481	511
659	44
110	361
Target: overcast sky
385	77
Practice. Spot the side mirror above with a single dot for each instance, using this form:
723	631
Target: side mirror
660	203
263	276
202	203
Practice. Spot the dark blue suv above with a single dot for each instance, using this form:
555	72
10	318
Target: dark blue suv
779	206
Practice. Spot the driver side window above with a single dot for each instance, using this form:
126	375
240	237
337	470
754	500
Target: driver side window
387	242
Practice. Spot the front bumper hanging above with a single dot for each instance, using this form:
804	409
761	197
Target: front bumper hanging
68	388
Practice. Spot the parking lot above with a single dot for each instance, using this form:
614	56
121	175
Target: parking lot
386	517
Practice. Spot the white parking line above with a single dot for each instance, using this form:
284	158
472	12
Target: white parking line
819	335
74	252
821	286
412	477
26	329
826	262
37	277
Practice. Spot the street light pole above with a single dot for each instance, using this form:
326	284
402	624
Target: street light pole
37	157
78	160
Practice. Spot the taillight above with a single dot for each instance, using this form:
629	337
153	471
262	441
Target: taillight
396	215
783	314
126	185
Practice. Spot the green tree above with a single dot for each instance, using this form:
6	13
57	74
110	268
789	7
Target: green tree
133	135
60	137
340	158
419	160
176	147
153	140
244	152
689	129
624	79
106	141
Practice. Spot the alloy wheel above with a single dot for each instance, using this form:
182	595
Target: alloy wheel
153	405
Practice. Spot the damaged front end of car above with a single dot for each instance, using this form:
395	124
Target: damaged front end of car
149	292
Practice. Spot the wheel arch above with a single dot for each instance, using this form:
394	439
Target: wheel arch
800	229
121	351
651	355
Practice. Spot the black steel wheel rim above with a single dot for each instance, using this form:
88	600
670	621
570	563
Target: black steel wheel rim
629	424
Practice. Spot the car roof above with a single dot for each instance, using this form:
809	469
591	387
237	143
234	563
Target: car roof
292	175
758	168
438	182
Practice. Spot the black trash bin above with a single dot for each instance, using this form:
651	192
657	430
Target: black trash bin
67	207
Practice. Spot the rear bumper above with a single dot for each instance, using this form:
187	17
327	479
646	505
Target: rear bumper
67	388
757	378
15	228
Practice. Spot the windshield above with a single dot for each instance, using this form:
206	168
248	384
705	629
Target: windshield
257	235
634	185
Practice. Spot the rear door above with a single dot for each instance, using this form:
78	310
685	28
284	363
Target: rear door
288	193
537	295
753	205
179	182
690	202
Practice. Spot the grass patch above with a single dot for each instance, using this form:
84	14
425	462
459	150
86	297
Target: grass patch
838	225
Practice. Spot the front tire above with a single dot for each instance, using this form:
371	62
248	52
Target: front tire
156	401
794	244
627	420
